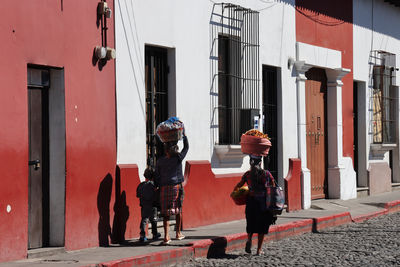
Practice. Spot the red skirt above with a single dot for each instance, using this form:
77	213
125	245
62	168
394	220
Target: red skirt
171	199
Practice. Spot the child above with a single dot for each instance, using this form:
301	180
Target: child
146	191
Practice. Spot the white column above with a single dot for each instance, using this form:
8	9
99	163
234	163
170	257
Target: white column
341	174
301	68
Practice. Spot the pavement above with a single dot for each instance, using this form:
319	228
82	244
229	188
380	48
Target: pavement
213	240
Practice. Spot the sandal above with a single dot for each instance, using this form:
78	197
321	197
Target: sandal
248	247
166	242
180	237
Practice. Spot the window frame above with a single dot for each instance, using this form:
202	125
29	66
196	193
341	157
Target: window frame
384	103
235	48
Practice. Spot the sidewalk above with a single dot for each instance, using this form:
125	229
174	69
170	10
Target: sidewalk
217	239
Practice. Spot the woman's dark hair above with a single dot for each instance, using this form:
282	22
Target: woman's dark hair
171	148
255	168
149	173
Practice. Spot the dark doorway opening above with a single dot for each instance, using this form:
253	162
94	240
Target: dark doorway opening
156	75
270	114
355	127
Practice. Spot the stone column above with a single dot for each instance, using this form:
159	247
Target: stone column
341	174
301	69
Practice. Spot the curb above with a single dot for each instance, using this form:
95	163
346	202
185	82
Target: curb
389	207
220	245
393	206
371	215
331	221
165	257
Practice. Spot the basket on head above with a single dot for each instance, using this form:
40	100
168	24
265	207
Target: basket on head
170	130
171	135
255	143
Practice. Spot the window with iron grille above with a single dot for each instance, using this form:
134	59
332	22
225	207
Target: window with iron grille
384	98
235	71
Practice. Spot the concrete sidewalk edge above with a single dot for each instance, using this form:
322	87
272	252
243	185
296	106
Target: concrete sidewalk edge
221	245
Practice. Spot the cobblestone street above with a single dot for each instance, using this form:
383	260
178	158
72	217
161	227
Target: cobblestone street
375	242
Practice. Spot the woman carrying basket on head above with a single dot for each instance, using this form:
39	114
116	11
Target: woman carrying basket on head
169	178
258	218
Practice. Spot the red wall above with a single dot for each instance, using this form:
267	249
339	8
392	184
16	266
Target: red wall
129	180
329	24
58	34
207	197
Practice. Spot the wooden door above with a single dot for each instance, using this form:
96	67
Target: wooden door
35	116
316	86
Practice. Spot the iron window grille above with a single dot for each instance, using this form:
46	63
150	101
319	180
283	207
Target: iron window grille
234	58
383	97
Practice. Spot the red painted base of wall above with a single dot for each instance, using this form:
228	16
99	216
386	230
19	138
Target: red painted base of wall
207	199
125	224
293	186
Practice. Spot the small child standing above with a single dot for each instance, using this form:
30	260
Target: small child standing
146	192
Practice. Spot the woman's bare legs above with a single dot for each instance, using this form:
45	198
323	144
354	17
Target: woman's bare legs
248	243
178	226
260	243
249	236
166	228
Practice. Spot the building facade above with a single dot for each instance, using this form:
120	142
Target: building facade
319	78
58	136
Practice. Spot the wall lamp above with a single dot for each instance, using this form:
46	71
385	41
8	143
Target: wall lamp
103	9
103	51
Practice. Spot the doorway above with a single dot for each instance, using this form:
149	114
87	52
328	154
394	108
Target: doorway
156	75
270	116
316	135
46	137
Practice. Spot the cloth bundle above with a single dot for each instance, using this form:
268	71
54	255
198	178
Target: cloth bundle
170	130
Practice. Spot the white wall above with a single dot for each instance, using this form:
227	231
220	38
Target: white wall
375	28
184	26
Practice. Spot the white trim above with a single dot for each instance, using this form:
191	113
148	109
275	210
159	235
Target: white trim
320	57
229	156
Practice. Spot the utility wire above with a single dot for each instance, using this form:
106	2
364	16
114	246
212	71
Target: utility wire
316	19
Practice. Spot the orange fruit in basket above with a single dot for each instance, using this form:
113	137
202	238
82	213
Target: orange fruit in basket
257	133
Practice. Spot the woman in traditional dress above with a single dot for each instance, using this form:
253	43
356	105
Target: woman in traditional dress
258	219
169	178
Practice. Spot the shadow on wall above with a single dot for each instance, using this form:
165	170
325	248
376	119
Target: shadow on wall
121	211
103	206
